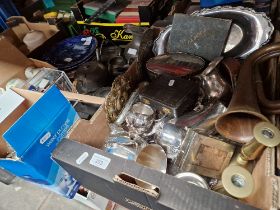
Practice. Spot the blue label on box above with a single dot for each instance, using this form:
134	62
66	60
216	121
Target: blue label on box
35	135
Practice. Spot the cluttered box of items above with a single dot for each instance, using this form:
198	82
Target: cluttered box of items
193	123
191	120
113	15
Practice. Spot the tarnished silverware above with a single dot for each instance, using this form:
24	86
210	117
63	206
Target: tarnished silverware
141	117
203	155
195	119
160	44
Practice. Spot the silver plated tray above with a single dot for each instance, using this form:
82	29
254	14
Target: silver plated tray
250	30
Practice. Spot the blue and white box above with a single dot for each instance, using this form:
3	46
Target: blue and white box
35	135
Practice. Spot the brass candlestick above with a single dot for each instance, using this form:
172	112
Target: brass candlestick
265	135
236	179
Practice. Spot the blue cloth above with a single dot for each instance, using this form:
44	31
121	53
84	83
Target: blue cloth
7	9
212	3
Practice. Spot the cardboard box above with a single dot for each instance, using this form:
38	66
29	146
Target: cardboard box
35	135
29	118
19	27
12	65
31	97
114	177
13	62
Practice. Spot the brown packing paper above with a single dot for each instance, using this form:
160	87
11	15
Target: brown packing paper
13	62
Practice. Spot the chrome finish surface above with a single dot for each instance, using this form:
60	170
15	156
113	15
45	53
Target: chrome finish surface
140	116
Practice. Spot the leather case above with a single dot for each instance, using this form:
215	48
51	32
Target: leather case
171	95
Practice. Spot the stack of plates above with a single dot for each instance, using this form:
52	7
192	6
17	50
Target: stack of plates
71	52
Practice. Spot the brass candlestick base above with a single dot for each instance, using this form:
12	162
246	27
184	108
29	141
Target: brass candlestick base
238	181
265	135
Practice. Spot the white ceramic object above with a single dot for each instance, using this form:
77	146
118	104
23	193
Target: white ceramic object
30	72
34	39
16	82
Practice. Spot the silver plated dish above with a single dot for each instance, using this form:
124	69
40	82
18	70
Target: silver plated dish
249	31
193	178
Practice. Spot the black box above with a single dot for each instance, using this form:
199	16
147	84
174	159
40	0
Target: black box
172	95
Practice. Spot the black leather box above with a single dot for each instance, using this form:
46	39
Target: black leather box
171	95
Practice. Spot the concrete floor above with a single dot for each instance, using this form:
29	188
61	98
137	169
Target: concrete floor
22	195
